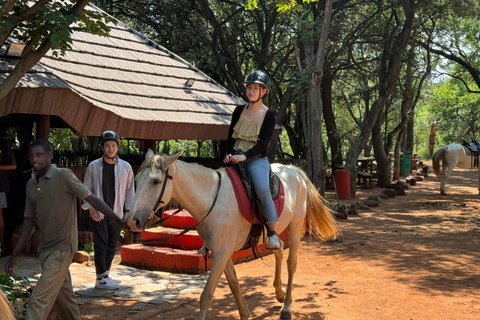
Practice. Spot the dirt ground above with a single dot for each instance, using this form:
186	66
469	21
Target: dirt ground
415	257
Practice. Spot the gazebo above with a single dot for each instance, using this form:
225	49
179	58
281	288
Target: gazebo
124	82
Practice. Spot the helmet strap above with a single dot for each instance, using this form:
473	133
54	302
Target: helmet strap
260	97
105	155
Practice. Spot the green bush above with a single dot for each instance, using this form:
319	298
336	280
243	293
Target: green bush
16	289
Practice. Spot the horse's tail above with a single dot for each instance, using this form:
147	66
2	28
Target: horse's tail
6	311
439	155
319	220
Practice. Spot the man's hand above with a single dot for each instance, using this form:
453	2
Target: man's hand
9	266
125	225
95	215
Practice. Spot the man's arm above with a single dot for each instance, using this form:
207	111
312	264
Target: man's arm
28	224
101	206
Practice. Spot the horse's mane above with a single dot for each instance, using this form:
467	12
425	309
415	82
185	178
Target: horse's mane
154	164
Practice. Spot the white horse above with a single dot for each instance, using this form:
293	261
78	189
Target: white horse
451	156
222	227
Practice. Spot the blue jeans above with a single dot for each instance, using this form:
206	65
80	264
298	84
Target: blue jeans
259	171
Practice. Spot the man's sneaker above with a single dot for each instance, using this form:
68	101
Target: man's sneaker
114	279
273	243
106	284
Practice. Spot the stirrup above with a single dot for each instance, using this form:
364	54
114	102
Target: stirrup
273	242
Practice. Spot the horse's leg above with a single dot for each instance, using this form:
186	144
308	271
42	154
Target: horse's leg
444	177
277	282
235	288
219	263
478	187
293	246
445	174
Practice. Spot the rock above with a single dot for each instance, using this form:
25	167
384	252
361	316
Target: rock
400	191
383	196
341	211
128	238
425	171
404	185
370	203
374	198
81	257
84	237
362	206
354	208
390	193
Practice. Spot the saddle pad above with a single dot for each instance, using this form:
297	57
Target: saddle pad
246	207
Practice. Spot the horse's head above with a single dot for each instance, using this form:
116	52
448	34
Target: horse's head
153	189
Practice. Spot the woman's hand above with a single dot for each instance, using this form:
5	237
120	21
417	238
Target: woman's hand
234	158
238	158
227	158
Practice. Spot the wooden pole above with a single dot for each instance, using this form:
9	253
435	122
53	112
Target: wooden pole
151	144
43	131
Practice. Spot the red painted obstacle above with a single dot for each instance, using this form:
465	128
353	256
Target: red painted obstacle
179	254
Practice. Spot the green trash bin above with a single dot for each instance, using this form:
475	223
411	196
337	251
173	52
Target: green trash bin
405	165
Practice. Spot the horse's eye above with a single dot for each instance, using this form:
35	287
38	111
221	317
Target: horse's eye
156	181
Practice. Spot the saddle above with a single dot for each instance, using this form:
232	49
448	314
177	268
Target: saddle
248	202
474	147
474	150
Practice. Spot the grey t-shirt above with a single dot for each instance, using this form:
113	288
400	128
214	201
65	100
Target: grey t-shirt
52	201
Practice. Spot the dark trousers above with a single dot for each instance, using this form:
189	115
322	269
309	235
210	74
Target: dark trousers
105	238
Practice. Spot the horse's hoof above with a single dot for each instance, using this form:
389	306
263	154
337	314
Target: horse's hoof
285	315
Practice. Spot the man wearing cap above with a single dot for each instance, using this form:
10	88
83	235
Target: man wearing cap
112	180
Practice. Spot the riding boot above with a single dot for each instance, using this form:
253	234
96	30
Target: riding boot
273	240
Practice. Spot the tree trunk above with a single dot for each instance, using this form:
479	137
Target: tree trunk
330	125
388	80
381	157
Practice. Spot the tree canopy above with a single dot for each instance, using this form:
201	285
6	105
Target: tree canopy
350	77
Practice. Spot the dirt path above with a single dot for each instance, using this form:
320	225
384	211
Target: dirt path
415	257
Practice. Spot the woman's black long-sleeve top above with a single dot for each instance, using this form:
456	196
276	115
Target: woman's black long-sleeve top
266	131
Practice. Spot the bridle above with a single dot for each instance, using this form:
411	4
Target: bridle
160	201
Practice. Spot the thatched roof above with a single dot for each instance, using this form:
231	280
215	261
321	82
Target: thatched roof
124	82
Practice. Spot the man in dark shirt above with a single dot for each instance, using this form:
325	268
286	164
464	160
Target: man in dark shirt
112	180
51	198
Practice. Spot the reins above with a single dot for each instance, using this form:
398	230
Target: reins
159	201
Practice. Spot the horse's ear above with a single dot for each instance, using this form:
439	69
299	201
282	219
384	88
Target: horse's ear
169	160
149	154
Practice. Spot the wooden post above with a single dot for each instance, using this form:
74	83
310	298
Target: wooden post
43	131
151	144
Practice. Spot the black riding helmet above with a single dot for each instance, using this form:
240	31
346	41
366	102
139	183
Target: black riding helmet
259	77
109	136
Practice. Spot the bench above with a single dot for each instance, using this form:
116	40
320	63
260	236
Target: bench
364	179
